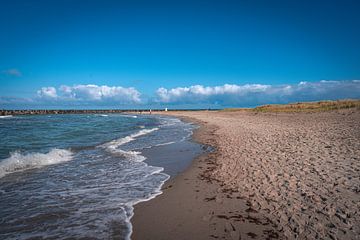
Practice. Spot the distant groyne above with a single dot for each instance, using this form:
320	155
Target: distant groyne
73	111
89	111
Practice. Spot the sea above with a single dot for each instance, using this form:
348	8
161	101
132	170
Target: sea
78	176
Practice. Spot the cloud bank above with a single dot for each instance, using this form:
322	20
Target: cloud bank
197	96
255	94
91	93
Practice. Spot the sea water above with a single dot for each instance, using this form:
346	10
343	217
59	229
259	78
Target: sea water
77	175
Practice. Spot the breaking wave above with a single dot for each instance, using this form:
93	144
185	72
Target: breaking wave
6	116
19	162
113	146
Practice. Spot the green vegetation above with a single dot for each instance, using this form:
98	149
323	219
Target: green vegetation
303	106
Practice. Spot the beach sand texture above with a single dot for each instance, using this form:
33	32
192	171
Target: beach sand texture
273	175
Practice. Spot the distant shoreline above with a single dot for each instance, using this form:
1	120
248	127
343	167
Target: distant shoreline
324	105
90	111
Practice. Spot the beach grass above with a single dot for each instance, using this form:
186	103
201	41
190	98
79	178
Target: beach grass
303	106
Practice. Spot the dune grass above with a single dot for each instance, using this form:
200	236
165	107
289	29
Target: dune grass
303	106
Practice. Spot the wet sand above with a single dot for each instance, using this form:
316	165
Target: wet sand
181	157
273	175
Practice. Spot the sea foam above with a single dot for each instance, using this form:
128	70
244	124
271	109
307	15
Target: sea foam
121	141
6	116
113	146
20	162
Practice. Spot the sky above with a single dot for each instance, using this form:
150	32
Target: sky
177	54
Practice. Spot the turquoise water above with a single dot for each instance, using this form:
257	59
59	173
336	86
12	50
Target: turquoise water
79	176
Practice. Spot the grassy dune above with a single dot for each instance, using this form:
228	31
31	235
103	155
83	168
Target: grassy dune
303	106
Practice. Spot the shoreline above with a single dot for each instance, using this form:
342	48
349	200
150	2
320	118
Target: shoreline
216	198
188	189
157	156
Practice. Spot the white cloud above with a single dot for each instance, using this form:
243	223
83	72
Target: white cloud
92	93
253	94
227	95
47	92
199	92
12	72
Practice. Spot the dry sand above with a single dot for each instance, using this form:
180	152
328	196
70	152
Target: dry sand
273	175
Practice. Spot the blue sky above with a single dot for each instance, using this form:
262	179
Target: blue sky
81	54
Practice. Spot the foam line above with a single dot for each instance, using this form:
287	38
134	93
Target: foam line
131	137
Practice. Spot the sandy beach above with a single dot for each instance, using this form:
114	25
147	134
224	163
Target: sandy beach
271	176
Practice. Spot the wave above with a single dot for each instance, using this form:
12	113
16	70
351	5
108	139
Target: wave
113	146
131	204
130	155
128	116
160	144
6	116
19	162
121	141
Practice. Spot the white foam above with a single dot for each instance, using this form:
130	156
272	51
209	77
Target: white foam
130	155
20	162
114	145
121	141
160	144
104	115
6	116
129	116
134	202
163	144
